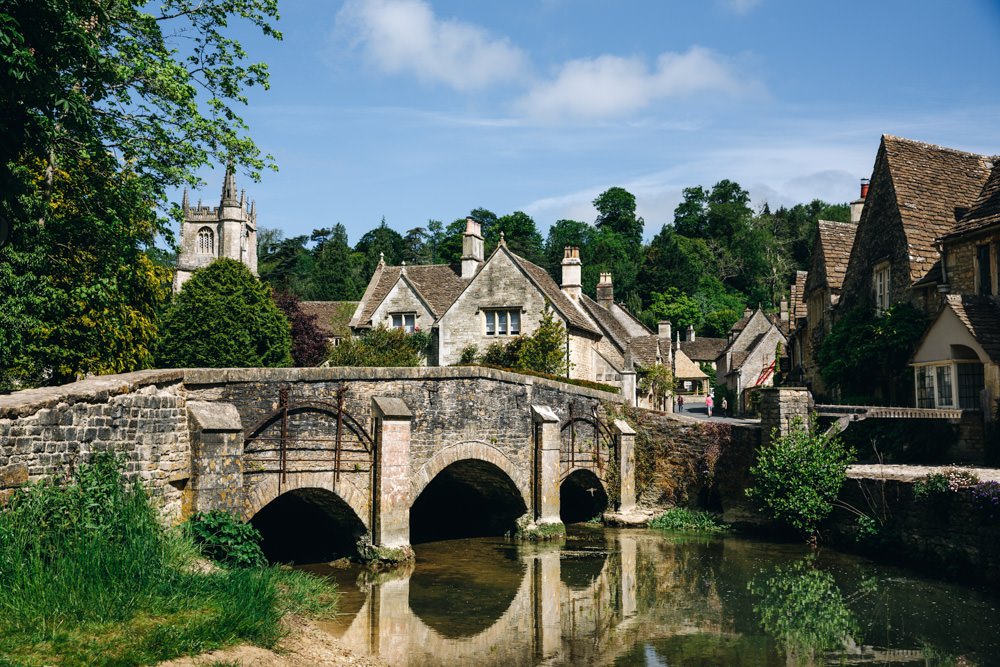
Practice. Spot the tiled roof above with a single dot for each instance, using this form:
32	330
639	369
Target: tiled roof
703	349
437	284
930	183
985	212
607	321
685	369
562	303
834	241
332	317
981	315
645	350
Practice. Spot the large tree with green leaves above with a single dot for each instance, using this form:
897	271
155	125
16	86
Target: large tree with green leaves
224	317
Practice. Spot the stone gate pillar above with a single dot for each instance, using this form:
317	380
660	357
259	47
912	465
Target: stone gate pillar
216	434
780	406
625	437
391	482
545	475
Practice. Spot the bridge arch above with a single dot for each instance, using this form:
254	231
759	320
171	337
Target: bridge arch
476	450
583	494
269	486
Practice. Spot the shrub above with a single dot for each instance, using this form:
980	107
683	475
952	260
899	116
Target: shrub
545	350
309	344
797	476
469	354
689	521
986	496
225	539
379	346
942	483
224	317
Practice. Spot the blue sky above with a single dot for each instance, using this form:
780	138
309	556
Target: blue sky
424	109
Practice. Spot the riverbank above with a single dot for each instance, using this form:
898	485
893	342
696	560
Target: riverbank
304	645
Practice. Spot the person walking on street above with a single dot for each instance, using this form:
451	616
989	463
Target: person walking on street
725	407
708	404
680	404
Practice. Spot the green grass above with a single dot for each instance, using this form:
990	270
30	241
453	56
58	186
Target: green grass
680	519
90	577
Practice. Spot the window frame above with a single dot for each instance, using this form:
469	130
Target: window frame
502	321
205	241
402	316
882	286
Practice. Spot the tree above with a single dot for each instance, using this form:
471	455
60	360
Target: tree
309	344
544	351
285	264
564	233
680	309
616	213
380	346
224	317
797	476
520	234
338	271
381	242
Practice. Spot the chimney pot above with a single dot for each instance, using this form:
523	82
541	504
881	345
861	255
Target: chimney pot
690	332
864	187
472	248
572	281
605	291
663	330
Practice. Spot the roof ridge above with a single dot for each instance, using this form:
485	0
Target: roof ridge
925	144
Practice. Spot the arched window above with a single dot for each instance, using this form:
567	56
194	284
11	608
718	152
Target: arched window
206	241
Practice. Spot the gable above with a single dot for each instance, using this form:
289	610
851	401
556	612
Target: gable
947	330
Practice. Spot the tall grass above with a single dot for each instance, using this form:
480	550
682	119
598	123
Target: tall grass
681	519
90	577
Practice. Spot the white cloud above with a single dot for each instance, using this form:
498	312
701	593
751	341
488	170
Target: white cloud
400	36
610	85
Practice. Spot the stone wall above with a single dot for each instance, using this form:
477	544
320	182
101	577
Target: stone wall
46	432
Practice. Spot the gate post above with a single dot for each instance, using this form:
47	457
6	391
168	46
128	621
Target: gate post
625	440
216	434
391	481
545	482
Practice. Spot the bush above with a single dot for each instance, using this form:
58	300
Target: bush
380	346
224	318
797	477
681	519
225	539
309	344
943	483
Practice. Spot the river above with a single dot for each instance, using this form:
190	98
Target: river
642	597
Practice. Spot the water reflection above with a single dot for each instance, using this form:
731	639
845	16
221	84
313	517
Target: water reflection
639	598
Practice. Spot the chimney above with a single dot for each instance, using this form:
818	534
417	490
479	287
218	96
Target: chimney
783	309
572	269
472	248
747	312
663	330
859	204
690	333
605	291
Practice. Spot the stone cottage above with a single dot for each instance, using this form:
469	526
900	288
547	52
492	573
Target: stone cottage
917	192
209	233
485	300
749	360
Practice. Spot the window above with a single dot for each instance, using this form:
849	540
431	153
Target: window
206	242
970	383
925	387
936	385
944	393
880	282
404	321
503	322
984	270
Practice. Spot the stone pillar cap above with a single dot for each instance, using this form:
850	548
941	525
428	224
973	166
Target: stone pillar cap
622	427
215	417
543	414
386	407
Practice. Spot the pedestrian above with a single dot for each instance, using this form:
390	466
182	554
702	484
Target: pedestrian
680	404
725	407
708	404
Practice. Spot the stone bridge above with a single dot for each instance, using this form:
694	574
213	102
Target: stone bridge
368	446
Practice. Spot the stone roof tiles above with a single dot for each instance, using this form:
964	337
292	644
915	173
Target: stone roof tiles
985	211
685	368
645	350
981	315
332	317
930	182
703	349
437	284
607	321
834	241
562	303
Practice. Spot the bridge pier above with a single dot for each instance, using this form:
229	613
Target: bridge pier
625	436
216	434
391	480
546	469
779	407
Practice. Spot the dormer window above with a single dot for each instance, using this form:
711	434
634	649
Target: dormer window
880	282
405	321
205	244
503	321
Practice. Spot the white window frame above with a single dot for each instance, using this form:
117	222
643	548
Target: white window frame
407	321
502	321
934	372
881	283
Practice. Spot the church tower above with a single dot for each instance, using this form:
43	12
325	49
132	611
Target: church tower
208	233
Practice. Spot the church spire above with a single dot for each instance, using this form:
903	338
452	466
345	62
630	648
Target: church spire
229	187
184	201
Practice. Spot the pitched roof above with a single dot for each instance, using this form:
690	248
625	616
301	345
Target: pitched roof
703	349
437	284
332	317
981	315
834	242
685	369
562	303
607	321
645	350
985	211
930	183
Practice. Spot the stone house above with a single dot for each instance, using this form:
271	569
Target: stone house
956	362
702	349
210	233
916	190
749	359
486	300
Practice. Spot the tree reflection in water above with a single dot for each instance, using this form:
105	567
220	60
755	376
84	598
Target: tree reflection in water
803	609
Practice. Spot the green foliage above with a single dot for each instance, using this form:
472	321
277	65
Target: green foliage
865	355
939	484
803	609
224	317
676	307
380	346
225	539
656	381
544	350
91	577
504	354
683	520
797	476
469	355
616	213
